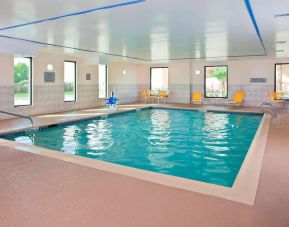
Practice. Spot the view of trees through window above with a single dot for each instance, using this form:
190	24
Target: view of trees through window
159	79
102	77
69	81
216	81
282	79
22	81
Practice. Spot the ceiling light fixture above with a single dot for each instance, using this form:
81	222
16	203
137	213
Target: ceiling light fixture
49	67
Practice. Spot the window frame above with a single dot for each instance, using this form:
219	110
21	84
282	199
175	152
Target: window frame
205	76
275	74
30	84
106	82
75	81
151	68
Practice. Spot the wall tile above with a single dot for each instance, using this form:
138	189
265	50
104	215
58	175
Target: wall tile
48	99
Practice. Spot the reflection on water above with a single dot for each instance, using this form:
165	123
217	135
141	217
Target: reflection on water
216	126
99	136
158	138
208	147
25	139
70	139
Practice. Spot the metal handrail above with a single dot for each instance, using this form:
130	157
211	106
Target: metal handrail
18	115
270	105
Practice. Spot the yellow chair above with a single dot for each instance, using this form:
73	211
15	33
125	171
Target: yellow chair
197	97
276	98
238	99
145	94
153	95
162	95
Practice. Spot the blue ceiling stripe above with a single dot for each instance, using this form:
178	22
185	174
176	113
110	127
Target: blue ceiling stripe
252	16
73	14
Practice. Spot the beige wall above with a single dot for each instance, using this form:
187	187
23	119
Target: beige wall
240	71
6	69
41	60
183	79
49	97
128	86
179	81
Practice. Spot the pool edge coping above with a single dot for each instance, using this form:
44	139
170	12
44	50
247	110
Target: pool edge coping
240	192
120	111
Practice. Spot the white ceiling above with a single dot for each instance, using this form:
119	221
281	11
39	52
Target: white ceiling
151	30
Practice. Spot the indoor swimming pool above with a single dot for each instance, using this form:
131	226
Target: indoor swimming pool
204	146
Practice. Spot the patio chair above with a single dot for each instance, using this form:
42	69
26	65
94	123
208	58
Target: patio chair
237	100
197	97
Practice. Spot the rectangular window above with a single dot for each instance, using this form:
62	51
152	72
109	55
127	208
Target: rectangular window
159	79
69	81
22	81
216	81
282	79
102	81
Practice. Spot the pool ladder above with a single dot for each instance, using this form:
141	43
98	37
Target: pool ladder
268	108
18	115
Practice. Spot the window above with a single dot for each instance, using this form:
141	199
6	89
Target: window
22	81
282	79
102	81
69	81
216	81
159	79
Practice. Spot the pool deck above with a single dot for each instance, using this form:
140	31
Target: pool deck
41	191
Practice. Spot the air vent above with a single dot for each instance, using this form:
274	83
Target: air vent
281	42
88	76
281	15
258	80
49	77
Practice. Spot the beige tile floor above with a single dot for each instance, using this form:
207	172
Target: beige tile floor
40	191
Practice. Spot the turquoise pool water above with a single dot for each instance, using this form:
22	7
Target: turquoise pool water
208	147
